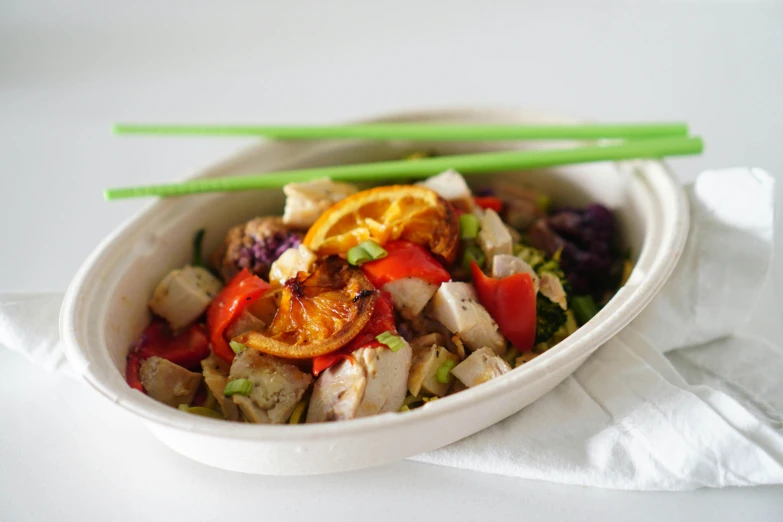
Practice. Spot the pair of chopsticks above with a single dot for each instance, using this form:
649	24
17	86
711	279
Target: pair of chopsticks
644	141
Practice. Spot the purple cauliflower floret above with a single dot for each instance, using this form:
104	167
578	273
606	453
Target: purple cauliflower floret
586	237
255	246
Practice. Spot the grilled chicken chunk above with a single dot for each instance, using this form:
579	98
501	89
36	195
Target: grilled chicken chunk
505	265
290	263
451	186
424	370
245	322
480	366
494	238
183	295
457	307
305	202
277	387
552	288
410	295
375	382
215	371
167	382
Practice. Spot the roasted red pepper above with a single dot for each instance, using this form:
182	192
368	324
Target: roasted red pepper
405	259
186	349
242	291
511	301
486	202
382	320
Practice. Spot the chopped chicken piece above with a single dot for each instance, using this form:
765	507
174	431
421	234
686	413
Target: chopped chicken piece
451	186
215	372
552	288
424	370
505	265
425	341
374	382
290	263
494	238
305	202
183	295
410	295
245	322
277	387
456	306
480	366
167	382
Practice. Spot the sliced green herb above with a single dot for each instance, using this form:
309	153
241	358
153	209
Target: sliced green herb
468	226
298	413
443	375
584	308
394	342
473	253
237	347
366	251
238	387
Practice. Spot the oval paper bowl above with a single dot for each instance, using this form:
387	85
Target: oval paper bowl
105	308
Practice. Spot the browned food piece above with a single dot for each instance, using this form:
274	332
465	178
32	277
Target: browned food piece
215	371
255	246
480	367
318	313
167	382
277	387
374	382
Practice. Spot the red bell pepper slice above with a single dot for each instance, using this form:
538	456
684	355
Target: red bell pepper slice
511	301
382	320
405	259
245	289
187	349
486	202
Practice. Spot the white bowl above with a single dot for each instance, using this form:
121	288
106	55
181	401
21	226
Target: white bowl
105	308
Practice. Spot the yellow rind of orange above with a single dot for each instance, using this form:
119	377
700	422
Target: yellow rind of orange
318	313
408	212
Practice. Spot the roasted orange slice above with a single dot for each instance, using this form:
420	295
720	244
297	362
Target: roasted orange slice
318	313
408	212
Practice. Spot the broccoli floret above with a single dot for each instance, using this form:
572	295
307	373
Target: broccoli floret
550	317
532	256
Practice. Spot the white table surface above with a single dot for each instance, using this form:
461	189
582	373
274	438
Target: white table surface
67	73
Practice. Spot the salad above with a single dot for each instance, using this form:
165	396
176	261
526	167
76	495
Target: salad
361	302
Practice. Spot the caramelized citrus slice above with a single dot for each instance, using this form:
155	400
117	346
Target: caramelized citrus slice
408	212
318	313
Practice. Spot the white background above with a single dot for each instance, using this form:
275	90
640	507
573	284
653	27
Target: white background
69	70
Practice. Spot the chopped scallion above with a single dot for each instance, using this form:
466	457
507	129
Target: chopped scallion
200	410
394	342
238	387
468	226
366	251
443	375
584	308
237	347
473	253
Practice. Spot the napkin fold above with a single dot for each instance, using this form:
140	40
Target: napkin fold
675	401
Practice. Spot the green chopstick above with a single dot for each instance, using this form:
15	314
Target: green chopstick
417	131
407	169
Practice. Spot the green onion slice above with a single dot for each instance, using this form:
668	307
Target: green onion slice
394	342
468	226
296	416
200	410
366	251
237	347
473	253
238	387
584	308
443	375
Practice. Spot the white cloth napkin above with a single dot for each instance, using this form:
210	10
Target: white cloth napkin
709	414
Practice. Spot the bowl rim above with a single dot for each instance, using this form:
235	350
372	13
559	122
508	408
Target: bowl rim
73	324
